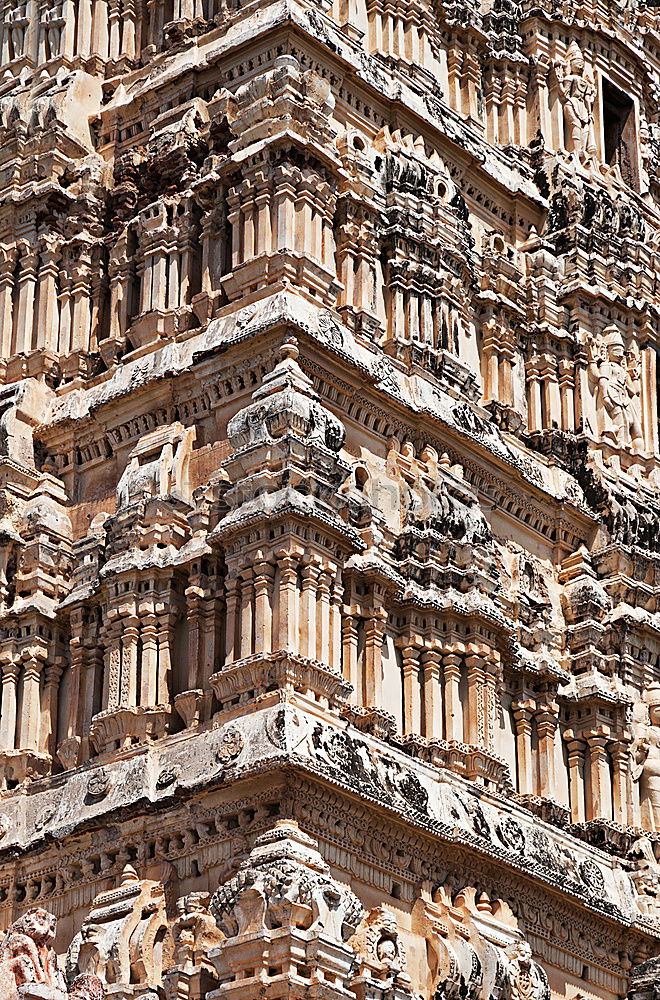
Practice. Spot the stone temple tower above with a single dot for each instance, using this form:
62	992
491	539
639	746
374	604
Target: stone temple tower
329	500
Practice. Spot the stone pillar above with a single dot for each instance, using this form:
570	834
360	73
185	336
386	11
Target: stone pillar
546	727
48	728
323	616
129	662
47	318
7	267
112	672
100	29
263	617
349	638
129	30
336	601
247	612
451	663
475	699
522	714
84	27
432	694
149	672
373	646
232	645
30	717
27	281
166	622
114	24
621	783
77	652
8	711
600	800
288	597
412	722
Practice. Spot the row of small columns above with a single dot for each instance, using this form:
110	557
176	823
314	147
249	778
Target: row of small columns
596	792
106	28
432	695
282	207
120	680
544	717
551	392
264	614
34	727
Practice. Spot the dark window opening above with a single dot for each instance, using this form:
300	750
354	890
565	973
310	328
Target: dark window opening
619	133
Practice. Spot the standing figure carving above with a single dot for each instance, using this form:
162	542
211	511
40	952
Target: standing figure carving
646	760
578	93
618	387
16	22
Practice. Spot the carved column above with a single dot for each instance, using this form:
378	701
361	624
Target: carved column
77	653
373	645
232	645
621	782
349	638
412	722
112	670
100	29
7	267
8	711
247	612
29	722
149	672
27	282
288	598
475	699
323	616
114	26
432	694
48	727
546	727
451	663
600	800
166	622
84	27
263	618
48	319
336	601
129	662
522	714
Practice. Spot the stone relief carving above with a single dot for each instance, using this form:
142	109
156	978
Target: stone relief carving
578	93
126	937
28	963
285	883
645	752
195	931
617	389
158	466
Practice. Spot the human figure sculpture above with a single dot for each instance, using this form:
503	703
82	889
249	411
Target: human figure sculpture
17	23
52	23
27	950
195	931
27	958
645	752
527	980
617	391
578	93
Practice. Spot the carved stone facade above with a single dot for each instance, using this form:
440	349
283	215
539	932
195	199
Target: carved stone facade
329	500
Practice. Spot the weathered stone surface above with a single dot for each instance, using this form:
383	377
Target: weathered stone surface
329	500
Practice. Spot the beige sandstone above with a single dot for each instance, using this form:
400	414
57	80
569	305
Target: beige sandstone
329	500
